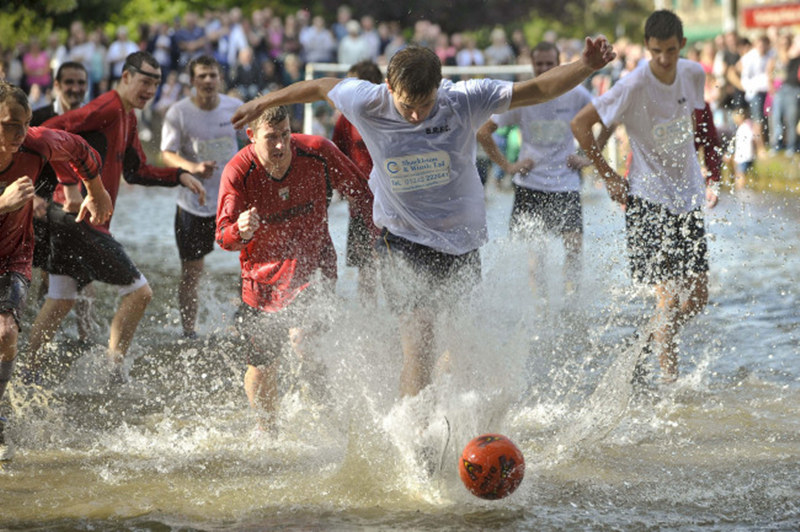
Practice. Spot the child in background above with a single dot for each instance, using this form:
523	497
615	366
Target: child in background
744	147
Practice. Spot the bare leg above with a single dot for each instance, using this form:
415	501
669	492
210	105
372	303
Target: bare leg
126	320
261	387
191	271
677	303
83	311
8	348
573	245
47	322
367	283
417	339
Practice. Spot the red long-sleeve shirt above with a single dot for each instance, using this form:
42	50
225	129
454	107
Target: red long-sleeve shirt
70	156
113	132
293	239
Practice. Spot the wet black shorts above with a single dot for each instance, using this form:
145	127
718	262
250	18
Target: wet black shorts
360	243
266	334
414	275
194	234
662	245
85	254
41	246
13	294
536	210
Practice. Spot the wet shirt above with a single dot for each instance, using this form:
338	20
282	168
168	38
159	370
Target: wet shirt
424	178
293	240
199	135
113	132
659	120
547	140
70	156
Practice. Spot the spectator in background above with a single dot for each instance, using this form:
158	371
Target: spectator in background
470	55
353	47
319	44
499	52
783	126
370	35
755	82
246	77
339	28
121	48
190	39
36	66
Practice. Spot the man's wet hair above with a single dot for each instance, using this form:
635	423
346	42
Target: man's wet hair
202	60
272	116
135	61
74	65
662	25
415	71
11	93
367	70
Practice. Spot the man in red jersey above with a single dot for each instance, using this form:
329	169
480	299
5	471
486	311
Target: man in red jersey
82	253
24	153
360	252
273	209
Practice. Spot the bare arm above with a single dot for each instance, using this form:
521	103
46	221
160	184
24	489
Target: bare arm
301	92
203	169
596	54
484	136
582	126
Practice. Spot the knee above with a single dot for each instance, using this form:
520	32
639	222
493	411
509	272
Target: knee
8	337
143	295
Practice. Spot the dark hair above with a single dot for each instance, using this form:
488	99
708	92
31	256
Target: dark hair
271	116
662	25
134	62
415	71
203	60
13	93
367	70
75	65
547	46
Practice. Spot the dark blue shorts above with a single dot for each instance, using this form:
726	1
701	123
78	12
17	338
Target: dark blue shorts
556	212
663	246
194	234
13	294
414	275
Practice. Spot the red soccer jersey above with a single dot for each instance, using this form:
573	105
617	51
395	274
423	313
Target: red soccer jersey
348	139
114	133
293	239
70	156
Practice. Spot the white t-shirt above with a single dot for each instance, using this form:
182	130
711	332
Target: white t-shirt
743	147
424	178
659	120
198	135
547	139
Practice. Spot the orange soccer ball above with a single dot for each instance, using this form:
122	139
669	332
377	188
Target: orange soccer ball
491	466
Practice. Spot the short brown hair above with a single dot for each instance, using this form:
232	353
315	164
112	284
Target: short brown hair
203	60
415	71
271	116
10	92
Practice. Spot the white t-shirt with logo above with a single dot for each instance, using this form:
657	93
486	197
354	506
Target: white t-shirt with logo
198	135
424	178
547	139
659	120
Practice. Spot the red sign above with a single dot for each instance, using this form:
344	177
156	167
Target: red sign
772	15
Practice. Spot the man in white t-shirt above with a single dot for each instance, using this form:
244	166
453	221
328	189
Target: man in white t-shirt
197	135
546	177
665	191
429	201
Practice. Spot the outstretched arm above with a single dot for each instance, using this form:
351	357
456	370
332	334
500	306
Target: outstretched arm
301	92
596	54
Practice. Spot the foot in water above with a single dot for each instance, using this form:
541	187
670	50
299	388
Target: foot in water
6	447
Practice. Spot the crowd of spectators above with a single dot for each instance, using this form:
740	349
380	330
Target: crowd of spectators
262	51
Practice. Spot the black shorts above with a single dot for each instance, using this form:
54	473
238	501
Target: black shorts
266	334
360	243
663	246
85	254
194	234
13	294
414	275
41	245
536	210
